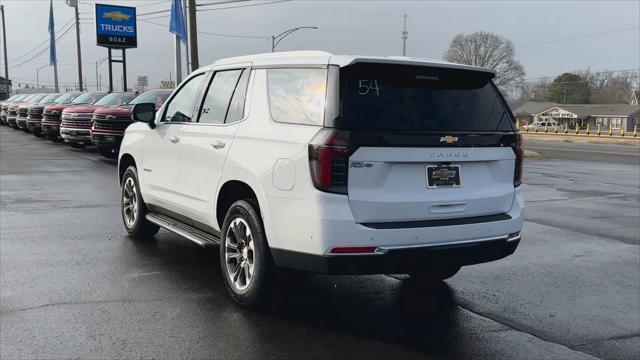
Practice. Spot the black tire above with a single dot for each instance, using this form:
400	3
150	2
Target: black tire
107	152
53	137
138	226
77	145
257	290
38	133
435	273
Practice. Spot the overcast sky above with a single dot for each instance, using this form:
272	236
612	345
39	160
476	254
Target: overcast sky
551	37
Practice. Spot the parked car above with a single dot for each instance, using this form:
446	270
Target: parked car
34	115
541	125
109	123
412	167
75	127
12	110
4	104
51	116
23	111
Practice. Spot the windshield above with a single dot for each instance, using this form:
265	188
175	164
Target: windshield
66	98
155	97
115	99
36	99
48	98
405	97
88	98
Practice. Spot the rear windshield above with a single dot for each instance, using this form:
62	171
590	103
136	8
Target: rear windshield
403	97
155	97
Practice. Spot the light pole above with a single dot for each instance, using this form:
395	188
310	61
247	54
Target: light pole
98	63
37	77
74	4
276	39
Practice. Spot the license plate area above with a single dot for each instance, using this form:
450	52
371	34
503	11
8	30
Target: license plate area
443	176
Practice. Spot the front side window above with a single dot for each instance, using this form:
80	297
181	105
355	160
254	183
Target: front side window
216	103
180	108
297	96
157	97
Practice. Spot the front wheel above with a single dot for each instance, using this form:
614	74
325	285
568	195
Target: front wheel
435	273
133	207
244	255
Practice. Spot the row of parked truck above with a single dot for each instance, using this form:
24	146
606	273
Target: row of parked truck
78	118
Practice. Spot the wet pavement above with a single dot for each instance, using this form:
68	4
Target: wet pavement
73	285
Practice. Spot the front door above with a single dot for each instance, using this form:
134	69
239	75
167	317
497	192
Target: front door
161	157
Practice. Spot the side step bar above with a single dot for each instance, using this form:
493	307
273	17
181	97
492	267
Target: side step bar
185	230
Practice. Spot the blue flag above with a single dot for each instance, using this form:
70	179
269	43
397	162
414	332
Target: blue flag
52	37
176	22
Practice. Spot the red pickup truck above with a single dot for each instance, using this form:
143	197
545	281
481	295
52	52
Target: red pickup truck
109	123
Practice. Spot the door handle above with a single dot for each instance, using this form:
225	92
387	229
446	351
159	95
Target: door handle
174	139
218	144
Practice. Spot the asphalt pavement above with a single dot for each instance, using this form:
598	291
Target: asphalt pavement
73	285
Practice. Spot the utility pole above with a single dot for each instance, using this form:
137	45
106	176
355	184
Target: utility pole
178	58
6	64
74	4
193	35
405	36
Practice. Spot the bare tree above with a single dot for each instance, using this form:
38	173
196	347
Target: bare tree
488	50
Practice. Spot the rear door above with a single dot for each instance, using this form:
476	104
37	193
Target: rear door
206	143
435	143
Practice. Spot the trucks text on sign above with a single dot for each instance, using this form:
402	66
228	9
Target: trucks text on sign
116	26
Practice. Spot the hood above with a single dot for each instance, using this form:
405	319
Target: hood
58	107
81	109
122	110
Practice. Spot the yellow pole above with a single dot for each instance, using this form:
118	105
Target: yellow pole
610	129
566	128
577	128
599	129
622	130
635	130
588	128
546	128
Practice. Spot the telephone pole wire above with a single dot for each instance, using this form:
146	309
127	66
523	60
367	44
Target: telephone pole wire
6	63
405	36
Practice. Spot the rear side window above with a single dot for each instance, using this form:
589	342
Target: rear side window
297	96
419	98
236	108
216	102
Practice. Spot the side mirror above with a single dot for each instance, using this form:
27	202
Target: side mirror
145	112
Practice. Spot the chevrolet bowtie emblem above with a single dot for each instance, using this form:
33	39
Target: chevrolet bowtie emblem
116	15
449	139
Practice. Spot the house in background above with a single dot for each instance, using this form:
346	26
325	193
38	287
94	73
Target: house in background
614	116
528	112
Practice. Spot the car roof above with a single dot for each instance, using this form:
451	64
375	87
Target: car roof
302	58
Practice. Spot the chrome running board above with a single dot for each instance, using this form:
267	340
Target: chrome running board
185	230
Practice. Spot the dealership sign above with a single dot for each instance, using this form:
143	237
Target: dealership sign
116	26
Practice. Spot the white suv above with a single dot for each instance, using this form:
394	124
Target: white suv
328	164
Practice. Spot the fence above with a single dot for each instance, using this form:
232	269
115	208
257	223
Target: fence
555	130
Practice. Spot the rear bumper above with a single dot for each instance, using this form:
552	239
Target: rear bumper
401	260
76	134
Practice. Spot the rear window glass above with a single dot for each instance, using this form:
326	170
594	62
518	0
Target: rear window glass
402	97
297	96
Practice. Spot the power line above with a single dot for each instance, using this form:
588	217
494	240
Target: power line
60	37
215	34
586	36
243	6
593	73
42	43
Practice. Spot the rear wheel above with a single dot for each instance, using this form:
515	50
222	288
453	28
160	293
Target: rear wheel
133	207
435	273
244	255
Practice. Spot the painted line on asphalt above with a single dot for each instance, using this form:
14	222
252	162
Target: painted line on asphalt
588	151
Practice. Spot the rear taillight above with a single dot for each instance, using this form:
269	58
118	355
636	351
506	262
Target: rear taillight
518	149
329	153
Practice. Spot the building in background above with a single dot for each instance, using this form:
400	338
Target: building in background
607	116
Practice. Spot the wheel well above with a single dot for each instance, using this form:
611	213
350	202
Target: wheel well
125	161
231	192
